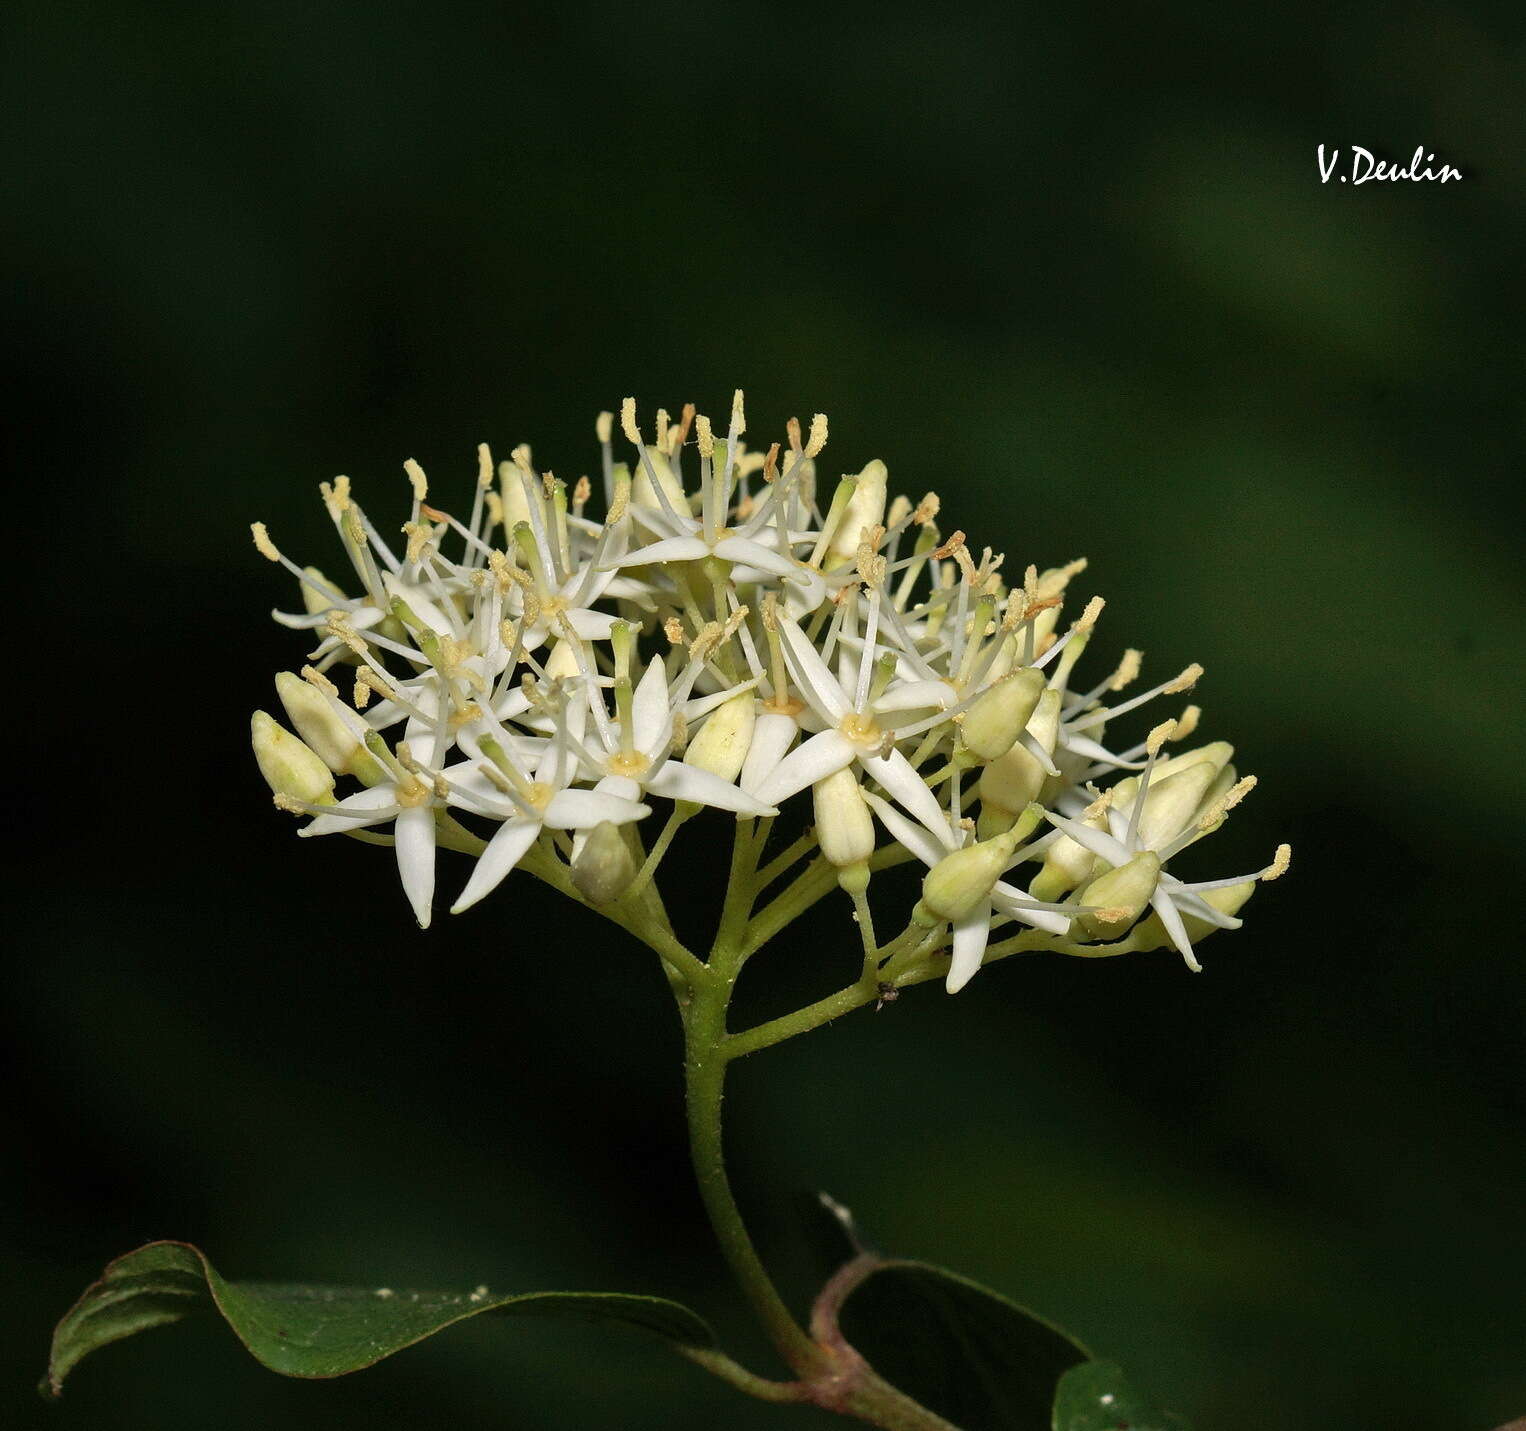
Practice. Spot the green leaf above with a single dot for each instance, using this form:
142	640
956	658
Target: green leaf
1098	1397
960	1349
315	1331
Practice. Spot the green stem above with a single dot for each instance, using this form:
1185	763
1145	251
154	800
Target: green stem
705	1078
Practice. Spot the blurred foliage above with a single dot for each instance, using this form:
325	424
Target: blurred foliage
1073	269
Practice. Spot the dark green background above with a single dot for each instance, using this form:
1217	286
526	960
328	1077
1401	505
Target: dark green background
1076	272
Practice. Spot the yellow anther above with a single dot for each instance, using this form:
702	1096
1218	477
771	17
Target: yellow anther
581	491
621	501
1090	615
315	678
418	536
520	457
927	509
1128	670
485	467
953	544
336	497
818	435
417	477
770	611
1184	682
1052	583
628	421
673	629
293	806
494	509
361	696
662	429
1097	806
705	435
738	417
262	543
1280	862
1187	721
1165	731
604	426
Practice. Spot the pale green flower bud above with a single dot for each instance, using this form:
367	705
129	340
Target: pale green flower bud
1151	933
317	722
865	508
314	602
844	827
959	881
1120	897
998	715
723	741
1016	778
1170	805
289	767
605	866
641	489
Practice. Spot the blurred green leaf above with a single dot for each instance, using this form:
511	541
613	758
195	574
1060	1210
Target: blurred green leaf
315	1331
961	1349
1097	1397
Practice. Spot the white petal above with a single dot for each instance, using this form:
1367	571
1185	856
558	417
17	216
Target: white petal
590	625
414	832
822	755
622	787
772	736
1115	852
918	695
677	781
649	708
671	549
504	851
1011	900
1160	901
970	936
817	683
583	809
365	807
739	549
901	781
922	843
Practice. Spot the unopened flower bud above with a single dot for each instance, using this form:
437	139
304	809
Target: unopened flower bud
1016	778
844	826
290	768
723	741
959	881
865	508
325	732
998	715
1119	897
641	489
562	663
315	601
604	867
1172	804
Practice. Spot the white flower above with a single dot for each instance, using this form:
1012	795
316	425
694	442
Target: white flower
530	667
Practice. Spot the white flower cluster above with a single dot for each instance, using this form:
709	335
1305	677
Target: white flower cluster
732	637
